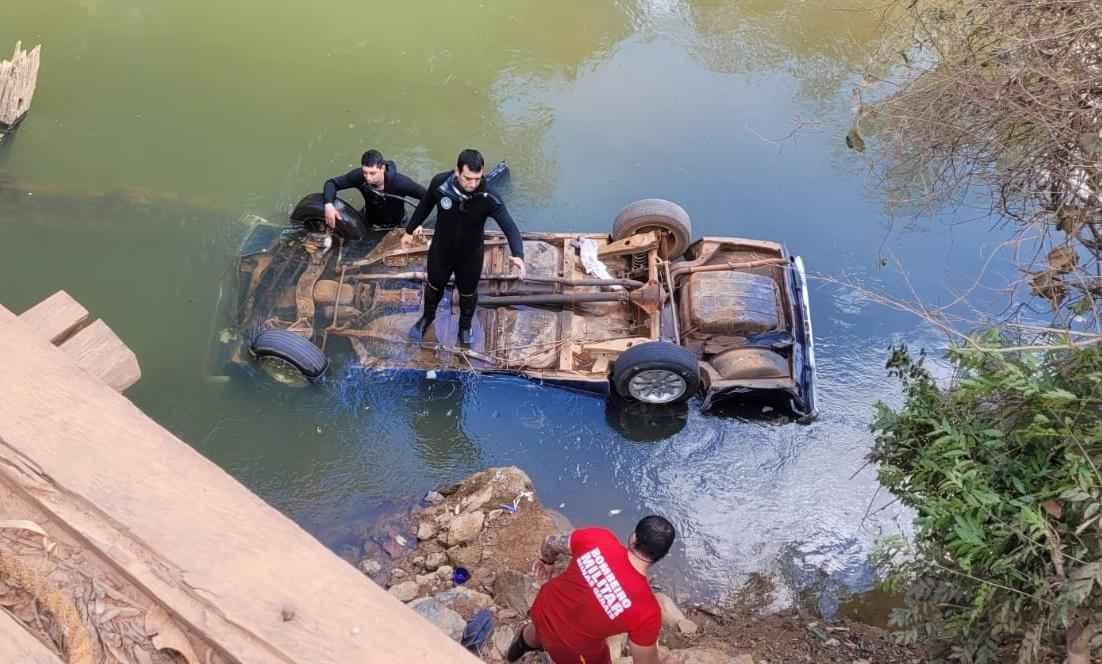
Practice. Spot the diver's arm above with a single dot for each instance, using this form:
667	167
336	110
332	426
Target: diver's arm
509	227
422	211
353	178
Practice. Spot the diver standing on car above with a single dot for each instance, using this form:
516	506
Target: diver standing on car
463	203
382	187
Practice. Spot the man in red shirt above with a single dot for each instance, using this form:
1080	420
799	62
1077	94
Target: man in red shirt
602	593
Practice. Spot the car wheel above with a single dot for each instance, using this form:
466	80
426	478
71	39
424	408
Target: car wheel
657	373
668	219
292	349
310	212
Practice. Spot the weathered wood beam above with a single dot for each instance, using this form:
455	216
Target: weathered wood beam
224	566
18	646
100	352
57	317
17	81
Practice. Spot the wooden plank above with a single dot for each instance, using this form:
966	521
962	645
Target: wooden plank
636	244
100	352
18	77
219	558
57	317
18	646
566	316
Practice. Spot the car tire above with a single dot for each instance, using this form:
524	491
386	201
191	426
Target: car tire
293	349
656	214
310	212
656	373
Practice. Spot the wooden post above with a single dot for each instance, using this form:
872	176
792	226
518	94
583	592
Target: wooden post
17	81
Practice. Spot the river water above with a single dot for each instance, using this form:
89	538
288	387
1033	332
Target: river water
157	125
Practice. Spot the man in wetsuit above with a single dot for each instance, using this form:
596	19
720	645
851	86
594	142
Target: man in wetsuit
603	592
382	187
463	203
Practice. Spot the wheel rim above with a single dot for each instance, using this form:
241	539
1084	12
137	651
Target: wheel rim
657	386
283	372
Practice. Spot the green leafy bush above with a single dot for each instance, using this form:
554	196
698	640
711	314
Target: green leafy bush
1002	470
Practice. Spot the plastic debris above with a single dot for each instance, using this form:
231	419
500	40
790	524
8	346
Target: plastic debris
431	374
400	540
614	512
511	509
478	631
587	250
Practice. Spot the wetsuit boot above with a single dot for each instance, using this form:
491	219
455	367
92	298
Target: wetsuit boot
424	323
467	306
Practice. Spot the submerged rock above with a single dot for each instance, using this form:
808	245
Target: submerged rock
370	567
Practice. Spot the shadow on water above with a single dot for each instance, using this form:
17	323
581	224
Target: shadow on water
641	423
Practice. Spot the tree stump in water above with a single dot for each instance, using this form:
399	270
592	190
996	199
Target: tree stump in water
17	81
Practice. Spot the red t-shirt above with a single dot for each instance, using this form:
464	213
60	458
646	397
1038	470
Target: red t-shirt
599	595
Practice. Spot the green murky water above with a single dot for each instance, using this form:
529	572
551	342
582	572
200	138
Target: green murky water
157	125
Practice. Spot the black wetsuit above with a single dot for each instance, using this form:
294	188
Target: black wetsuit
460	225
379	209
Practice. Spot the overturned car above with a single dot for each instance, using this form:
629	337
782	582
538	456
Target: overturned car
642	313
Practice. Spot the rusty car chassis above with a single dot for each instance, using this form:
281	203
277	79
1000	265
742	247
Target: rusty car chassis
725	318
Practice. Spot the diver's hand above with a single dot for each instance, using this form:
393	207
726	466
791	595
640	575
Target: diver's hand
330	215
410	240
522	270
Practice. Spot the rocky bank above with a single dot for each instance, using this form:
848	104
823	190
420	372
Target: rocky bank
492	524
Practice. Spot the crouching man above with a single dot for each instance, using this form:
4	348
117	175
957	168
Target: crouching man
603	592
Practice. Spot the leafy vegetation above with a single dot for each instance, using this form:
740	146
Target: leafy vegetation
1002	469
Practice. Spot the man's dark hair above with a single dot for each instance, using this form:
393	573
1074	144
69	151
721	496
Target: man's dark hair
470	158
373	158
654	536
